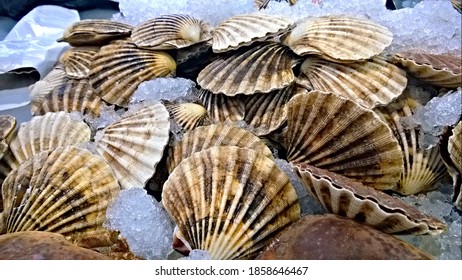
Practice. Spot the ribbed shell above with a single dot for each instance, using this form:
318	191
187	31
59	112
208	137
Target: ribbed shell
120	67
47	132
66	191
348	198
208	136
56	77
77	61
135	144
457	4
262	68
187	115
339	38
334	133
243	30
222	108
7	127
95	32
455	153
230	201
171	32
439	70
73	96
371	83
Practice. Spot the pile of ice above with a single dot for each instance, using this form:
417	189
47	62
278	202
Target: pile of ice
197	254
163	89
143	222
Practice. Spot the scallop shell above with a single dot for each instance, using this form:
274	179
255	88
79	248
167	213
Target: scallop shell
222	108
457	4
371	83
187	115
346	241
72	96
48	132
243	30
229	201
77	61
440	70
262	68
171	32
56	77
339	38
7	127
455	153
135	144
66	191
348	198
333	133
95	32
208	136
120	67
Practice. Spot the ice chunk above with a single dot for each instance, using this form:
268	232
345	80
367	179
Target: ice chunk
163	88
108	115
143	222
197	254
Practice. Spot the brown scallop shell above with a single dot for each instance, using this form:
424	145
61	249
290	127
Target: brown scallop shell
328	237
334	133
371	83
119	68
77	61
171	32
457	4
56	77
222	108
455	153
262	68
187	115
7	127
348	198
229	201
339	38
243	30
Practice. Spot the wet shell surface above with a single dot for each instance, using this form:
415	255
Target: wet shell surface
187	115
66	191
339	38
261	68
135	144
371	83
95	32
230	201
222	108
334	133
439	70
120	67
328	237
348	198
205	137
243	30
171	32
77	61
46	132
7	127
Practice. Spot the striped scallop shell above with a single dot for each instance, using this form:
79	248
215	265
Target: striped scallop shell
119	68
455	153
371	83
7	127
230	201
37	91
95	32
77	61
134	145
171	32
222	108
243	30
262	68
208	136
65	190
339	38
439	70
334	133
72	96
187	115
348	198
47	132
457	4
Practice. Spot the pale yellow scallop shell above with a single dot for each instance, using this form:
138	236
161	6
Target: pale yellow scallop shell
188	115
222	108
77	61
455	153
56	77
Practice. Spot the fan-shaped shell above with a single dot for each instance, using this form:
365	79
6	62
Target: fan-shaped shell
371	83
95	32
66	191
440	70
56	77
7	127
229	201
457	4
48	132
135	144
222	108
171	32
243	30
187	115
262	68
455	153
345	197
339	38
72	96
120	67
334	133
204	137
77	61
